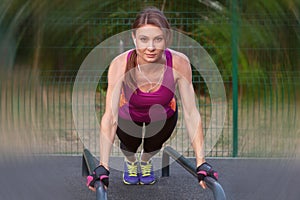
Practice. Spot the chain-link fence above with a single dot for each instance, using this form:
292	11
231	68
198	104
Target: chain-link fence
36	103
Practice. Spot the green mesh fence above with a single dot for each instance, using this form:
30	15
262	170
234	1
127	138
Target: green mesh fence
36	98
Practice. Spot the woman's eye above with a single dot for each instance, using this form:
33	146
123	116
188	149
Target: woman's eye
159	39
143	39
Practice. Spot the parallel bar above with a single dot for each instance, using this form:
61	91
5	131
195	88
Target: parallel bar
88	165
212	184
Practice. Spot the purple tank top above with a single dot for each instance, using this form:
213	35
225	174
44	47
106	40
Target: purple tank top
140	106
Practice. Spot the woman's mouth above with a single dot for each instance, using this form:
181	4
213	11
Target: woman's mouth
150	55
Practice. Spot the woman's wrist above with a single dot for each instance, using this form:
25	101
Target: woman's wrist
200	161
104	165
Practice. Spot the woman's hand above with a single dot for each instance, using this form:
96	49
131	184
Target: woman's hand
204	170
101	174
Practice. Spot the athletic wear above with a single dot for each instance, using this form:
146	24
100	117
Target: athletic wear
130	174
136	104
157	112
147	175
99	173
156	134
204	170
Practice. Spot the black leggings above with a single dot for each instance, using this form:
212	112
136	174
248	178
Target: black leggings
156	134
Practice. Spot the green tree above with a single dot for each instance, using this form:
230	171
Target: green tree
57	34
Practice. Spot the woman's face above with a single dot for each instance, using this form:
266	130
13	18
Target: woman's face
150	43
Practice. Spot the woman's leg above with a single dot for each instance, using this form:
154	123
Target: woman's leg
130	135
157	138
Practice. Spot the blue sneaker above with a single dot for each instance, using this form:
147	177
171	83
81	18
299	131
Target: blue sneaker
130	174
147	175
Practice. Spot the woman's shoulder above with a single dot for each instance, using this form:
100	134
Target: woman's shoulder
120	61
122	57
179	59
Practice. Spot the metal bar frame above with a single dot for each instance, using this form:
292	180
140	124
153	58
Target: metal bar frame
89	163
212	184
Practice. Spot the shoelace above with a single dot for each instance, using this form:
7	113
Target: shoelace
132	169
146	169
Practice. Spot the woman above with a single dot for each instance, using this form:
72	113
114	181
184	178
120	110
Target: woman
141	88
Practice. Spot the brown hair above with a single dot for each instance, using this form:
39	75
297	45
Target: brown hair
153	16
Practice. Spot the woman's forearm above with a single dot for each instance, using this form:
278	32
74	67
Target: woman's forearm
198	146
107	136
195	130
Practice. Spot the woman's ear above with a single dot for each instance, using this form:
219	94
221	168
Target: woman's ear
133	38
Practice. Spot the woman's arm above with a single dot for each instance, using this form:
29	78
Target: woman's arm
192	116
110	116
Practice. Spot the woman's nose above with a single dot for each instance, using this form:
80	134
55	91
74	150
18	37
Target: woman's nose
151	46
